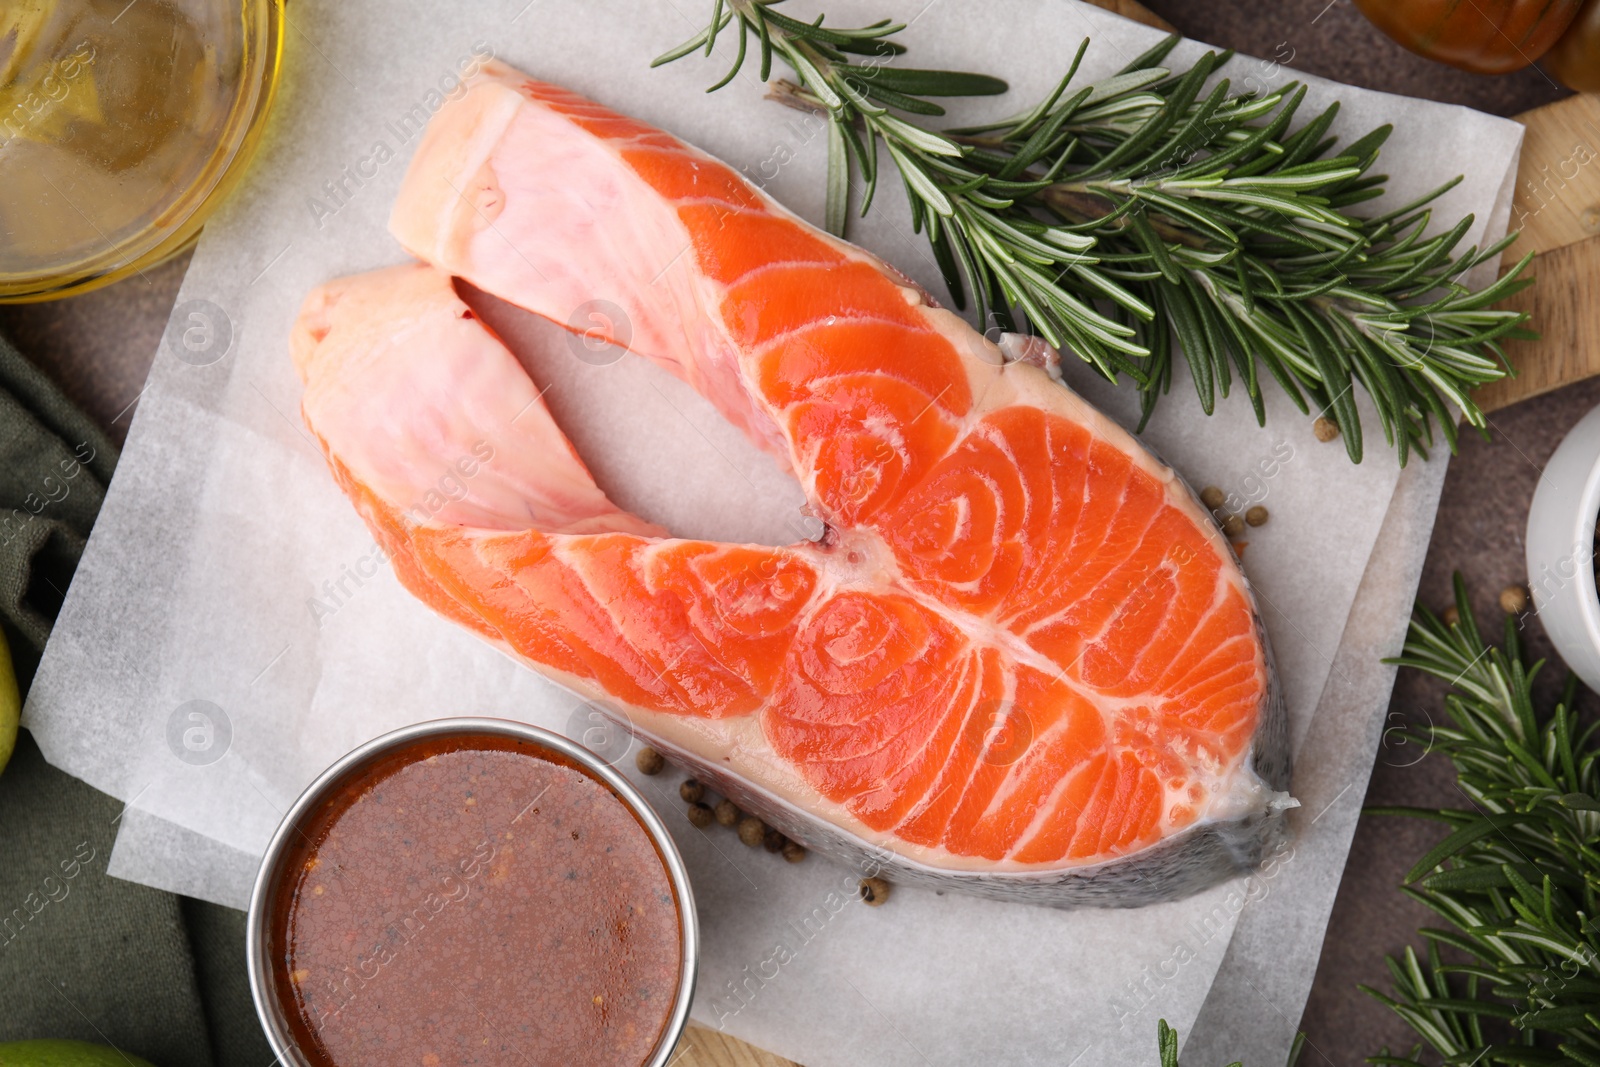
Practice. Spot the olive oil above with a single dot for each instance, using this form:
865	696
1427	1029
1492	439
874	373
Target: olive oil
121	125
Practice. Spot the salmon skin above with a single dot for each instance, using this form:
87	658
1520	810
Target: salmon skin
1020	661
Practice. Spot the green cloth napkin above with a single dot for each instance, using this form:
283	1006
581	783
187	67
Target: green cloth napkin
84	955
54	468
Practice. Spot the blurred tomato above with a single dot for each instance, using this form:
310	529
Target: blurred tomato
1575	60
1483	36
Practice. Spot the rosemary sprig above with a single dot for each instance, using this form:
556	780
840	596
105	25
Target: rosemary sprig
1518	875
1124	217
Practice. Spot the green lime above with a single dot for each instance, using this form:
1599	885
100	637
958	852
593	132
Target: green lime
10	707
49	1053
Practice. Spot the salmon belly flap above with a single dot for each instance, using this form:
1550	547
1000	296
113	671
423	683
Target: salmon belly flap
1020	659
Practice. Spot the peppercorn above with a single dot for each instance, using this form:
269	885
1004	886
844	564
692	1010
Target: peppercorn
649	761
1233	526
1513	600
1325	428
774	841
1212	497
727	814
793	851
1451	615
691	791
1256	516
752	831
874	892
700	815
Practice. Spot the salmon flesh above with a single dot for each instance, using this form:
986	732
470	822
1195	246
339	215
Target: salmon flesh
1020	660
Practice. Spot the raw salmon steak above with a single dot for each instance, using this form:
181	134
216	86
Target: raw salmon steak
1020	660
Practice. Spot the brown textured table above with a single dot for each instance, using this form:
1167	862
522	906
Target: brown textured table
99	348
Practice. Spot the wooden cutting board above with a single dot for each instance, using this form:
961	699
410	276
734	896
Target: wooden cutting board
1557	205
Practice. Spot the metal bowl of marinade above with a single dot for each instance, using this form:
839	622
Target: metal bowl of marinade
472	891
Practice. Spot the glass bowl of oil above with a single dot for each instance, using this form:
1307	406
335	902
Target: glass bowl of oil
123	123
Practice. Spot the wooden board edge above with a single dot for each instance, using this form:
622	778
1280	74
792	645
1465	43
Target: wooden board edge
1564	307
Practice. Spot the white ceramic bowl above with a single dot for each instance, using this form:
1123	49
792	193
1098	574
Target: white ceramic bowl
1560	545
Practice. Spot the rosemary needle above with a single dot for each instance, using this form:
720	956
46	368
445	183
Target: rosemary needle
1158	210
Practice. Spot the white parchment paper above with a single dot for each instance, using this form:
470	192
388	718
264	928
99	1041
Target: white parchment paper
1253	1009
230	631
